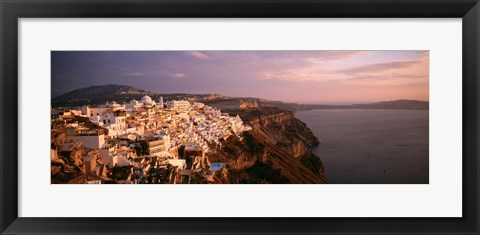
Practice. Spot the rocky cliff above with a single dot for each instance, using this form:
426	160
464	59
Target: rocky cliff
277	150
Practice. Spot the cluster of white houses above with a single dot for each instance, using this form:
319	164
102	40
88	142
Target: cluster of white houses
138	142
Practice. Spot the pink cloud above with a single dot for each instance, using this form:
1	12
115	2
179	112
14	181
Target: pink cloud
382	67
199	55
178	75
340	55
388	79
290	75
135	74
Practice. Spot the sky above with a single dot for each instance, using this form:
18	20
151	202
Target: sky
323	77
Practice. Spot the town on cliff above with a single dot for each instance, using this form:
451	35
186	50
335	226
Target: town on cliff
180	142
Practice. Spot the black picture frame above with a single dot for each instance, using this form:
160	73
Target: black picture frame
12	10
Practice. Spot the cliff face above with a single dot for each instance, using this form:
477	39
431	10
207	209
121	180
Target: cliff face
248	104
284	129
275	151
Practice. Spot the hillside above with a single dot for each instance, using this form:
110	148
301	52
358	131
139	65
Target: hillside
277	150
95	95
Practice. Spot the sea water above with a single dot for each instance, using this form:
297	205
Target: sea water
371	146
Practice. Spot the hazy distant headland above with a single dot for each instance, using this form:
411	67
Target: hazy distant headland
121	93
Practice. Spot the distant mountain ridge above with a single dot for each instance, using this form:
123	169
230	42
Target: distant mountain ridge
94	95
393	104
99	92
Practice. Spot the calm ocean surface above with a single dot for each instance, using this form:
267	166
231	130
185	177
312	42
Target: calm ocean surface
371	146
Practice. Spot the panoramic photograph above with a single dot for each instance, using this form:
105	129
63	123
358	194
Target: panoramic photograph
240	117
